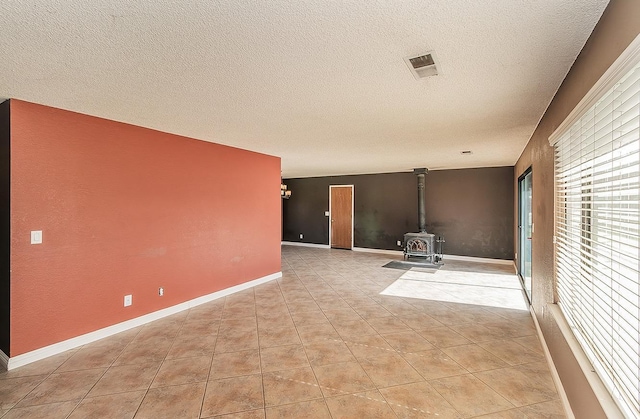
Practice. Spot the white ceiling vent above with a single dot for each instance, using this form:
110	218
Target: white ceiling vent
422	66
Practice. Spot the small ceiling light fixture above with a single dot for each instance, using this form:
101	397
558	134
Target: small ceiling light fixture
284	192
466	152
422	66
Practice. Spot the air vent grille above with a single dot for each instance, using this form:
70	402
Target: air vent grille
422	66
422	61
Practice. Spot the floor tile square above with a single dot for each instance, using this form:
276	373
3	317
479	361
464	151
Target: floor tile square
126	378
389	370
47	411
408	342
470	396
434	364
61	387
121	405
418	400
317	332
182	371
232	364
290	386
342	378
231	395
187	346
519	386
370	404
12	390
283	357
278	336
313	409
443	337
474	358
172	402
328	352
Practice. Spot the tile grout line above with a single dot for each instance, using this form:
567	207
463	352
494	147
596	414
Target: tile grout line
352	394
213	354
303	346
64	362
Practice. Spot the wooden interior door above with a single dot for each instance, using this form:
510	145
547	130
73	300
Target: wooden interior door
341	216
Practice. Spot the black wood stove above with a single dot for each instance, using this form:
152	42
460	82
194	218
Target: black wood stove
422	244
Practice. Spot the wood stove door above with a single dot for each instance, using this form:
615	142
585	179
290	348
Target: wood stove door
341	216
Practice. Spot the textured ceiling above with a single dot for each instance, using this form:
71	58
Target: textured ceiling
321	84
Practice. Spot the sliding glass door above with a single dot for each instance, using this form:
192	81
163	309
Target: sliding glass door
525	230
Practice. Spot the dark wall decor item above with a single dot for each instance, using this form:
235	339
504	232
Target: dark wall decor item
471	208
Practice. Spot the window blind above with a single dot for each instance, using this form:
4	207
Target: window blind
597	169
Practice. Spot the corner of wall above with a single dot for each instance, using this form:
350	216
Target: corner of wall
5	235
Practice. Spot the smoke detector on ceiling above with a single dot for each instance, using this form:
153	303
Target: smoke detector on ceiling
423	65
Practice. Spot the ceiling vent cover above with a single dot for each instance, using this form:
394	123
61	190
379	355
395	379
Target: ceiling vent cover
422	66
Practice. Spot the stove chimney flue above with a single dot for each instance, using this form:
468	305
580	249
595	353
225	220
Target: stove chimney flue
422	219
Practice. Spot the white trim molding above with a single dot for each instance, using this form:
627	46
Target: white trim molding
603	395
477	259
380	251
317	246
17	361
401	253
552	367
625	62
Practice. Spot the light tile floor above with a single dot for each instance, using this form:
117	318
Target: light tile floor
337	337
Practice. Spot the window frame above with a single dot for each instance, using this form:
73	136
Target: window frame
627	61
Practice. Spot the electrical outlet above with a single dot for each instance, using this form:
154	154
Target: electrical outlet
399	243
160	291
128	300
301	236
36	237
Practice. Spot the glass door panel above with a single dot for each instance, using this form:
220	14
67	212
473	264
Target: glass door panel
525	230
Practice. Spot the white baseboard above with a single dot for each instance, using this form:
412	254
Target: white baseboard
379	251
56	348
477	259
318	246
609	406
401	253
552	367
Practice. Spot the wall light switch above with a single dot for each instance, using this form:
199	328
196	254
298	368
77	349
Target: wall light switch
128	300
36	237
326	213
301	236
399	243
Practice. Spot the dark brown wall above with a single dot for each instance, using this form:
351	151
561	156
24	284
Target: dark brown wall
5	232
471	208
619	25
385	207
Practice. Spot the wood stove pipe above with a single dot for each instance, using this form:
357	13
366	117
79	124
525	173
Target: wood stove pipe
422	218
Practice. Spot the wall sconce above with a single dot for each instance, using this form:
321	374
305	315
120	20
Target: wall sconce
284	192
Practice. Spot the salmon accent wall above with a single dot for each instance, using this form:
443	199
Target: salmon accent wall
126	210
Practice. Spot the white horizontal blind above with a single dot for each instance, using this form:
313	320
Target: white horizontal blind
598	236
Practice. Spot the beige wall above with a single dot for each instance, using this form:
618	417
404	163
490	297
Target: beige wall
619	25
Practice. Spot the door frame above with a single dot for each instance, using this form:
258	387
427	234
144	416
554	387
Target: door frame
352	211
520	227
